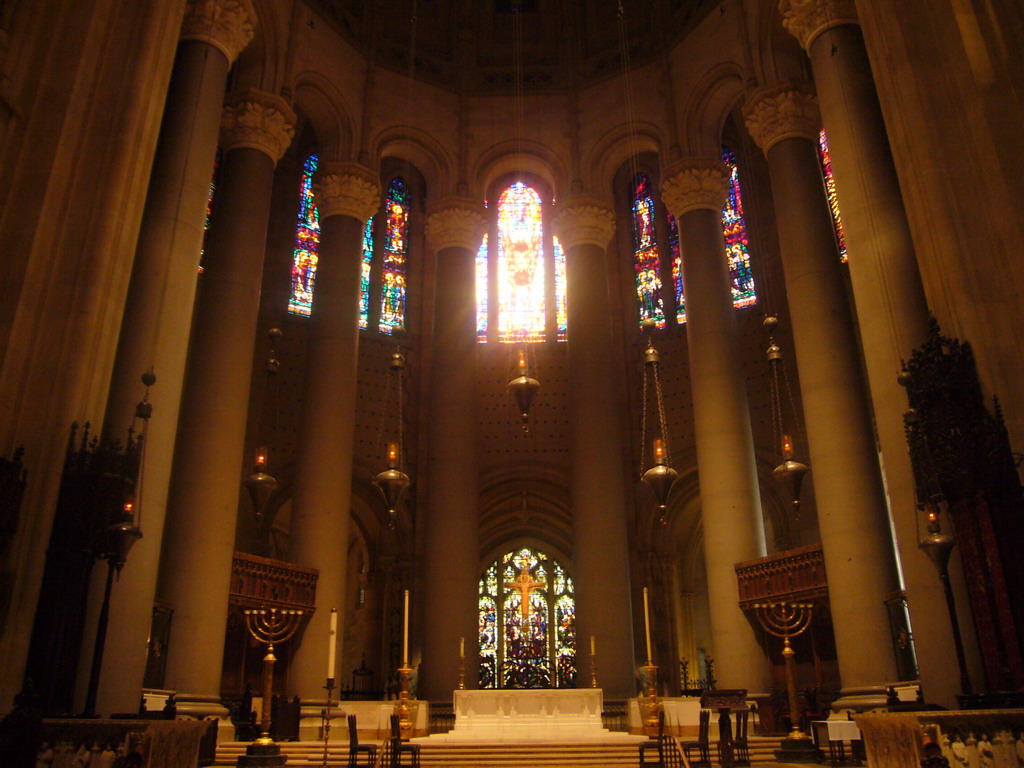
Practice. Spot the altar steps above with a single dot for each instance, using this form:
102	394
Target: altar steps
506	755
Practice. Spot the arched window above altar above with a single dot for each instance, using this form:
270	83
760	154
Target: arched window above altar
533	647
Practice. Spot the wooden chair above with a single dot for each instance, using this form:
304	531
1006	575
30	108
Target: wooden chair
741	748
654	744
702	741
355	749
400	747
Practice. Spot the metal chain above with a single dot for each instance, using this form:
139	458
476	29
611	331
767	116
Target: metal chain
643	423
661	415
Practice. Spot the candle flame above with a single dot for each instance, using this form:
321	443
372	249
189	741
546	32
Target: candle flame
659	450
787	447
392	453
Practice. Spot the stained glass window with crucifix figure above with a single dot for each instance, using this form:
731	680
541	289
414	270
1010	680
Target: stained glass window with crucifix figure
527	623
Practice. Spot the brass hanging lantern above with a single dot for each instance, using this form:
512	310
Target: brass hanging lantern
393	482
660	477
523	387
789	474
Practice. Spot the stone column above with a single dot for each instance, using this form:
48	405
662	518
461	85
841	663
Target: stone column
694	190
202	503
346	194
852	513
455	229
158	309
891	309
584	226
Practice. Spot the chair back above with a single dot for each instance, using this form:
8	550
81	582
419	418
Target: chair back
741	723
396	731
705	725
353	733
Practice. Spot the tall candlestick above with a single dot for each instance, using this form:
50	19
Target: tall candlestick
647	626
405	632
592	651
462	647
332	643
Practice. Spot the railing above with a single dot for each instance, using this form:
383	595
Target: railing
259	581
794	574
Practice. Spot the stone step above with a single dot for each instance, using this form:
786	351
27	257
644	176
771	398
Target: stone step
484	755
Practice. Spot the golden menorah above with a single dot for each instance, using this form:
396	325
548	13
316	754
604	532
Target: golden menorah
787	620
269	626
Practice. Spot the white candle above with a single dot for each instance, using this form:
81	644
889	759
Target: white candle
647	626
405	632
332	643
462	647
592	651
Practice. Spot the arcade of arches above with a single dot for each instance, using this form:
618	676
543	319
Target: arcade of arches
380	182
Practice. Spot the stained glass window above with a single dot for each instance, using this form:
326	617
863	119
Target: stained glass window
364	275
396	236
540	650
830	192
214	180
521	283
677	268
561	311
307	242
481	290
737	243
646	262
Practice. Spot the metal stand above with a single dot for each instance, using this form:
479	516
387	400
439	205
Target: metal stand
462	672
404	722
593	670
326	727
653	704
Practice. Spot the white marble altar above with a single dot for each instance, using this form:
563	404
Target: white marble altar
682	716
529	715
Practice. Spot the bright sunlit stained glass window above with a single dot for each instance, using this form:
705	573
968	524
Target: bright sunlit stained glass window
364	275
396	236
677	268
481	290
307	242
539	652
646	262
521	284
561	311
737	243
830	192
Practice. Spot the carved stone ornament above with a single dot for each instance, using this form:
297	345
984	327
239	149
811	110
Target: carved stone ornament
806	19
227	25
693	183
346	189
258	120
783	111
584	220
456	222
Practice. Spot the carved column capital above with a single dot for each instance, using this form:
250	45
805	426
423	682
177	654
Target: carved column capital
456	222
346	189
258	120
806	19
693	183
227	25
782	111
584	220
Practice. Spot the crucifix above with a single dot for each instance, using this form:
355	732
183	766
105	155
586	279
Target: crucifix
525	584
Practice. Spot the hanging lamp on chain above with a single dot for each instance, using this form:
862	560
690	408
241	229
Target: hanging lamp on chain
523	386
260	483
660	477
393	482
789	473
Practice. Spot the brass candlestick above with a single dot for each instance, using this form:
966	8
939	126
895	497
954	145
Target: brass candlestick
326	728
787	620
593	670
269	627
653	704
404	722
462	672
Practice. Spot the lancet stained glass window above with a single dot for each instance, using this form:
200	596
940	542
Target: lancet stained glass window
214	181
481	290
396	236
521	308
677	268
646	262
830	192
561	310
364	275
540	651
737	243
307	243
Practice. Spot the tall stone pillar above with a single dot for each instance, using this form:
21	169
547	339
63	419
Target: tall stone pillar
158	310
694	190
891	309
346	195
202	504
853	516
584	226
455	229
